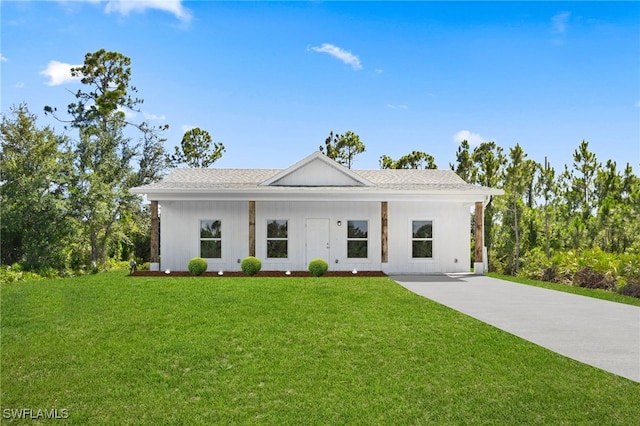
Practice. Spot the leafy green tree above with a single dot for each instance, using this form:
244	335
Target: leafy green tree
617	216
415	160
547	188
489	162
518	178
464	166
33	192
197	149
577	186
104	156
343	148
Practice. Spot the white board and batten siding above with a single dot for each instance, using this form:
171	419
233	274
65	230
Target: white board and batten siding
317	229
180	233
451	231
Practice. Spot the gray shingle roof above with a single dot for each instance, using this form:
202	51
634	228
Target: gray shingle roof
316	174
387	179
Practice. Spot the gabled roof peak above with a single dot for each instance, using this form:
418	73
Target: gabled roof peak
317	170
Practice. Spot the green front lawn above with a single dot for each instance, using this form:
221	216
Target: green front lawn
111	349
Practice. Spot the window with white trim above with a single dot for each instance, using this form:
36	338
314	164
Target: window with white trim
422	239
277	239
357	239
211	239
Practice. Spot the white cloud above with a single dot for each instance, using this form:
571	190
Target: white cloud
339	53
128	114
19	85
59	73
559	22
186	127
397	106
125	7
472	138
153	117
3	58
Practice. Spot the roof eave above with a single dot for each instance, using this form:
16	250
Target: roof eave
312	194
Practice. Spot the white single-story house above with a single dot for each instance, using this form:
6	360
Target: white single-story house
395	221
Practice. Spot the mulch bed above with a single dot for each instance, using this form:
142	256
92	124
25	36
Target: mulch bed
259	274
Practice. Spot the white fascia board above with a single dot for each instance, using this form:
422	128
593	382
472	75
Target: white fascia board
308	194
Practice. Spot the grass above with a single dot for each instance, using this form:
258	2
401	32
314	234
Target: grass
597	294
116	350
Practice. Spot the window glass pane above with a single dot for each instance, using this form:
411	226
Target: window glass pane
357	228
210	229
356	249
277	248
211	249
422	249
422	229
277	229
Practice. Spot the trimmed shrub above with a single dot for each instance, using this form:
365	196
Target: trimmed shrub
251	265
318	267
197	266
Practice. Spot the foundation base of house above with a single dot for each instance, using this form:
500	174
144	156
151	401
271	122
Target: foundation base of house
478	268
154	266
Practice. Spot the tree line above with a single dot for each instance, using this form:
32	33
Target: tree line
66	204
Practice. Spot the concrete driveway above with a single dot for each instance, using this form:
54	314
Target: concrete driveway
603	334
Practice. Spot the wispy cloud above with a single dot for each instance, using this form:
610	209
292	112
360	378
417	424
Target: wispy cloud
125	7
153	117
128	114
186	127
391	106
339	53
59	73
19	85
465	135
559	22
3	58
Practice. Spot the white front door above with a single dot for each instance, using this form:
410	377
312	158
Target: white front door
317	239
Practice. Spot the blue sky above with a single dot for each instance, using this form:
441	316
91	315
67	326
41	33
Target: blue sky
271	79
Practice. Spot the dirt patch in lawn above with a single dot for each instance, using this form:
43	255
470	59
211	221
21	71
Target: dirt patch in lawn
259	274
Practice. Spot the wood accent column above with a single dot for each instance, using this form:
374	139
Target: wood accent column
384	219
479	233
252	228
155	233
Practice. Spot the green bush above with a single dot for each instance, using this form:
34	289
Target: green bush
318	267
251	265
14	274
197	266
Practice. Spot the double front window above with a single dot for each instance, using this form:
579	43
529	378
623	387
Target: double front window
277	238
211	239
422	239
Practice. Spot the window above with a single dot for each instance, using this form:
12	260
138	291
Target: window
357	232
277	242
422	239
210	239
